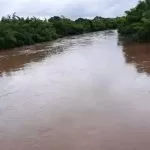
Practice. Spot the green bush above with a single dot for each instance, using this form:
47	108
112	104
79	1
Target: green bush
16	31
136	24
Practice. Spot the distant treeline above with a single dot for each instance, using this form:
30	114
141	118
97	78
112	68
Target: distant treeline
17	31
136	24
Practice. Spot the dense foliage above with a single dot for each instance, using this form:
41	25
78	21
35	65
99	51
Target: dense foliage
136	24
17	31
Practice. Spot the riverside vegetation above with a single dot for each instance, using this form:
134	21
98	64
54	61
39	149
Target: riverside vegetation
17	31
136	24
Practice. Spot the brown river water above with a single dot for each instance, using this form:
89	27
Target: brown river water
86	92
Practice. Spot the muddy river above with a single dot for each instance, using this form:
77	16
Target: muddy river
86	92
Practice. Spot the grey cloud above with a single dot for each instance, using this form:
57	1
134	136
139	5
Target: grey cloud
68	8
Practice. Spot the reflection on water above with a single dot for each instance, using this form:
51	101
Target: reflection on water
17	59
138	55
78	93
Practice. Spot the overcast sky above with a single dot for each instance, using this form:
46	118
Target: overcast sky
68	8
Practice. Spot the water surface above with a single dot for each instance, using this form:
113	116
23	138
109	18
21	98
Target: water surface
87	92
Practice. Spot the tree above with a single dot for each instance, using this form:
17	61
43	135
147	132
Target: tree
18	31
136	24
